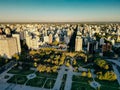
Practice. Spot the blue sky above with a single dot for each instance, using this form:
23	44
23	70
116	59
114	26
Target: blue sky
59	10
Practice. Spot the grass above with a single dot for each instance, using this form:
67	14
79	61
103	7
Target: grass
39	81
14	71
89	66
18	79
80	62
62	85
109	88
81	86
81	83
81	79
20	72
108	83
63	82
47	75
36	82
64	77
49	83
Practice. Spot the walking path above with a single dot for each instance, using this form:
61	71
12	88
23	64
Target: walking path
57	85
115	68
68	82
117	73
114	61
59	78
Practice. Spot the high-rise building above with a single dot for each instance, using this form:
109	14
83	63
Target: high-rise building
102	41
9	46
7	31
92	47
106	47
78	43
17	36
0	31
46	39
32	43
66	39
118	35
113	42
50	38
57	39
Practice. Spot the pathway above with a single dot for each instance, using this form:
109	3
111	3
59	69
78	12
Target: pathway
59	78
68	82
114	61
117	73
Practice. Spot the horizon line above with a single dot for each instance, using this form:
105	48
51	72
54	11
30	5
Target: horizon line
60	22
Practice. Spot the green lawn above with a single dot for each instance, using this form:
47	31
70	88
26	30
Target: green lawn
89	67
80	62
20	72
14	71
36	82
81	79
81	83
64	77
63	82
49	83
109	88
47	75
62	85
108	83
81	86
18	79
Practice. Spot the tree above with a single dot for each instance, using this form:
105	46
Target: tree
41	68
32	52
16	56
67	63
55	43
56	62
48	60
85	58
109	75
75	69
35	64
102	63
74	62
89	74
106	67
54	68
52	56
84	74
48	69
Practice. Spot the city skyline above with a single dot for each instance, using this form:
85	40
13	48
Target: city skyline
59	10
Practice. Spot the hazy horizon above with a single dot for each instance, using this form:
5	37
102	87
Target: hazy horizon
60	10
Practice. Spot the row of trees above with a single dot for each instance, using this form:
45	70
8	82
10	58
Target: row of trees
103	70
102	64
86	74
55	59
109	75
44	68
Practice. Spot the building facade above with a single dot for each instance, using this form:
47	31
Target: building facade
78	43
9	46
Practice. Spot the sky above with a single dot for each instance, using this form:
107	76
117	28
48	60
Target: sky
59	10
